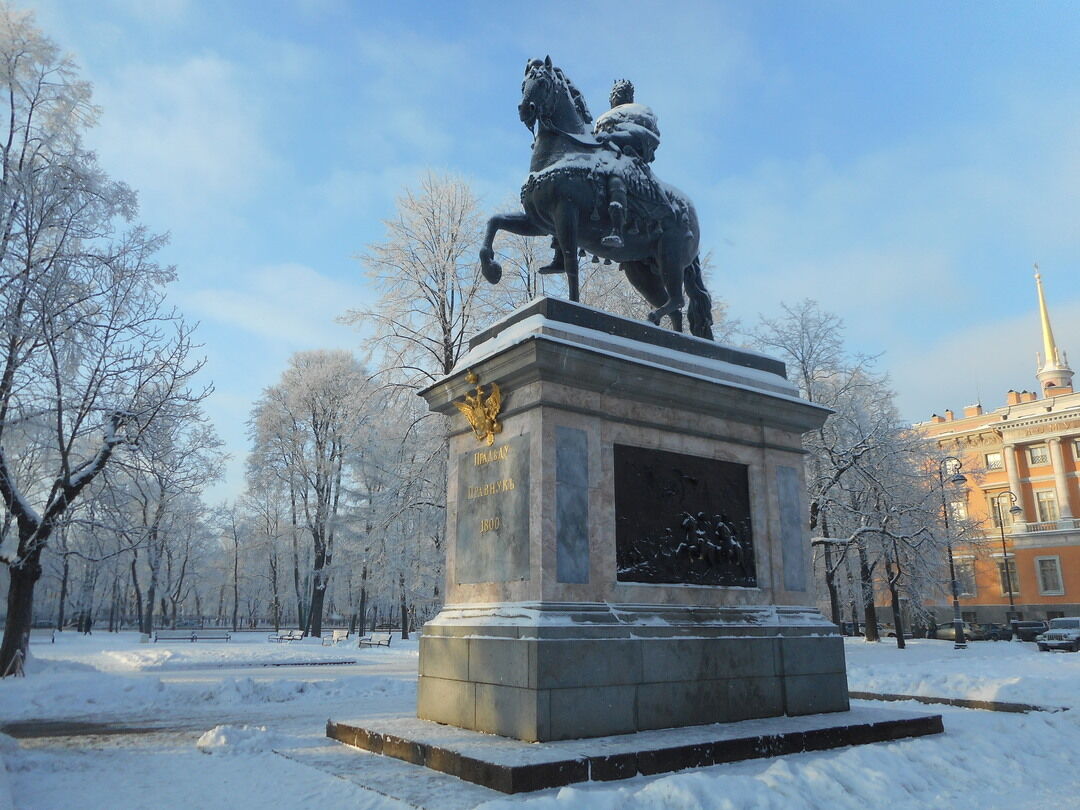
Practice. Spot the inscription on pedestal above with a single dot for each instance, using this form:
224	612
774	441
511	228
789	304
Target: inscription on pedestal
682	519
493	513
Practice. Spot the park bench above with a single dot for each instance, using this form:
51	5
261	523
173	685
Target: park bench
43	633
335	637
286	635
376	640
211	635
174	635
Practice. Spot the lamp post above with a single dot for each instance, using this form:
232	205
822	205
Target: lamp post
959	641
1013	510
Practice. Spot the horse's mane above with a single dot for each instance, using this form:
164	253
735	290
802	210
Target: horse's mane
575	95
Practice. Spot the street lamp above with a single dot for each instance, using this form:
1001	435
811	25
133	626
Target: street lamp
1013	510
959	642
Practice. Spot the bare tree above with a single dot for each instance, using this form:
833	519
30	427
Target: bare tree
429	280
89	354
312	419
865	480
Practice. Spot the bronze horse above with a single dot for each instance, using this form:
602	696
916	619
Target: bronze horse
565	197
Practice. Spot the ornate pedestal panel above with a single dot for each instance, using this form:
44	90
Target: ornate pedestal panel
626	538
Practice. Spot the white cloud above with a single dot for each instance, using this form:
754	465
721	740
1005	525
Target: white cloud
981	362
287	304
186	135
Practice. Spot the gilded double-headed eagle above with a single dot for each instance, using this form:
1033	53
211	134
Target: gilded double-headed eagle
482	410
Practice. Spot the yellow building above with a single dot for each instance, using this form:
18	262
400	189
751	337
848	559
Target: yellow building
1022	464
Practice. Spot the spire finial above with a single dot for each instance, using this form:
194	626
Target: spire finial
1053	370
1049	346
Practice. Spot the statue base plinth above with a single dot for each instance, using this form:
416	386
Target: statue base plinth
548	671
629	549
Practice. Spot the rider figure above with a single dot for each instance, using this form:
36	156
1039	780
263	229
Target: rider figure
630	129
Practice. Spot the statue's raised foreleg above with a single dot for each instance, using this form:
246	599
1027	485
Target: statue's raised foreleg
518	223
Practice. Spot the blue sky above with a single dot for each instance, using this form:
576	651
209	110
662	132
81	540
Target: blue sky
902	162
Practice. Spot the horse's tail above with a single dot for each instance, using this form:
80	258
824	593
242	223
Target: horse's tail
699	307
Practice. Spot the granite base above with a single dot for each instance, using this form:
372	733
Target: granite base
513	766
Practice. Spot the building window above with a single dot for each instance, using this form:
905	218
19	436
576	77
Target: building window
999	507
958	511
1010	578
1037	454
965	576
1076	449
1048	570
1046	501
993	460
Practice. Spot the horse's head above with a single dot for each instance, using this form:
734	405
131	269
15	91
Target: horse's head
538	92
550	98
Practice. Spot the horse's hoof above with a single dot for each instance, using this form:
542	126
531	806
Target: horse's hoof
492	271
654	318
548	269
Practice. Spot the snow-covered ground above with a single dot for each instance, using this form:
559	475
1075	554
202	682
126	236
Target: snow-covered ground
106	722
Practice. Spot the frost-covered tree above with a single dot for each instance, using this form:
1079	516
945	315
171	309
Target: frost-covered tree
163	476
866	480
429	282
308	426
89	353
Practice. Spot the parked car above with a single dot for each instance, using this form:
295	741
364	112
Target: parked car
947	632
1027	631
997	632
1063	634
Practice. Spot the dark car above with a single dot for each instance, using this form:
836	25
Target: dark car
997	632
1026	631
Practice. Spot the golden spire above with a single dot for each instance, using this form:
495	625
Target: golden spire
1050	352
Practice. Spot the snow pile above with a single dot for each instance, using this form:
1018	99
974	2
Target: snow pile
240	740
984	760
100	693
121	652
1010	671
8	748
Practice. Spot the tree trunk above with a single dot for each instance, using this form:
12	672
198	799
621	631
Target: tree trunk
830	575
898	620
363	601
236	582
404	608
138	593
275	605
112	606
830	583
148	613
63	594
297	589
892	578
20	612
867	588
220	620
318	592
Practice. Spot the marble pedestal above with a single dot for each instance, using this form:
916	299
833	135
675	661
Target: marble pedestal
580	600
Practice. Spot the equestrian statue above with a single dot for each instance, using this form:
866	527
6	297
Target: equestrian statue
592	188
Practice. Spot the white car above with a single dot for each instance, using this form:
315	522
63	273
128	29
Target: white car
1063	634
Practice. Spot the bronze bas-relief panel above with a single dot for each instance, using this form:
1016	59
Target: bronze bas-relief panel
682	519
